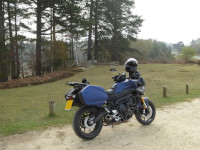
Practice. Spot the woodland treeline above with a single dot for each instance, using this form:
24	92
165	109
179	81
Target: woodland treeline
152	50
44	33
108	26
196	45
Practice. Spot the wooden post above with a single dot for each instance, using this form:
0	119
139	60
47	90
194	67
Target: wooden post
187	89
164	91
51	107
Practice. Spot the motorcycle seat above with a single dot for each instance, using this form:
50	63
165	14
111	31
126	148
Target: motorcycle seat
110	91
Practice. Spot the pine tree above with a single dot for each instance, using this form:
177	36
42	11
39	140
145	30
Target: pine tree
13	14
41	5
3	48
96	20
122	25
71	21
11	39
90	30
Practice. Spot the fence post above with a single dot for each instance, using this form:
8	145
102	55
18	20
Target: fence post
187	89
51	107
164	91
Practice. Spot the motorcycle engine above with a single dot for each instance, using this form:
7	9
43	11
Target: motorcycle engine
120	112
125	111
122	108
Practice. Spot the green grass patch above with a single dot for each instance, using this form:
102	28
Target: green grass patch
24	109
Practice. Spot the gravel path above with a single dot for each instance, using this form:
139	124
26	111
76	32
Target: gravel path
175	127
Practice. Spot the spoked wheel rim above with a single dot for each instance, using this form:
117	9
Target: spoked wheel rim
83	124
86	122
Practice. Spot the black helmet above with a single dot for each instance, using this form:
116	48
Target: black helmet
131	65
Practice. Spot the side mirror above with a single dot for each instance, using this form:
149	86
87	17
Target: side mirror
84	80
112	69
123	73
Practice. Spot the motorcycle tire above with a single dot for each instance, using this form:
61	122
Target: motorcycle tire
141	118
81	123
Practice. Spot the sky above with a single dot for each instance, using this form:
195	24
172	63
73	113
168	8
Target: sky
169	21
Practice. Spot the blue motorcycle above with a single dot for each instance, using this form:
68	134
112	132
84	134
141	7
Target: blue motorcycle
98	107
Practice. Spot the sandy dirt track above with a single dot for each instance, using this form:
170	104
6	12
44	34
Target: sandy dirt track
175	127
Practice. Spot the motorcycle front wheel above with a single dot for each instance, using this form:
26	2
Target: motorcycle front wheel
83	124
148	116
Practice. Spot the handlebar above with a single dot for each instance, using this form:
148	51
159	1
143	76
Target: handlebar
123	77
76	84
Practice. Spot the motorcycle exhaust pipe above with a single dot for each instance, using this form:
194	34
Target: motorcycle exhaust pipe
100	115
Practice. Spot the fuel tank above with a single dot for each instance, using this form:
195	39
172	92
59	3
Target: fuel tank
93	95
119	87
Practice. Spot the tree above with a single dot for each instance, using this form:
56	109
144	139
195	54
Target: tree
14	14
59	54
19	13
16	40
90	30
39	38
99	24
196	45
96	24
12	53
188	53
3	48
41	5
179	46
71	21
122	25
149	50
109	26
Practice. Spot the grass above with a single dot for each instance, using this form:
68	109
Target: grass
24	109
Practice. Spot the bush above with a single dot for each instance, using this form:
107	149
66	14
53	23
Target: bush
198	63
49	77
187	53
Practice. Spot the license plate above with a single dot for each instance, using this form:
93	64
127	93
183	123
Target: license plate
68	105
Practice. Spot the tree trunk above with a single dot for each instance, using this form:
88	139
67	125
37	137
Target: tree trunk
114	46
3	52
96	32
2	32
13	70
90	33
54	24
16	43
22	64
39	40
71	40
51	41
72	47
54	36
51	46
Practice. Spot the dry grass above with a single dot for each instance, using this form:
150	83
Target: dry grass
46	78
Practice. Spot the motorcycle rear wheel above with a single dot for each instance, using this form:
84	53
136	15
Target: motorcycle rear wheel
149	115
82	125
